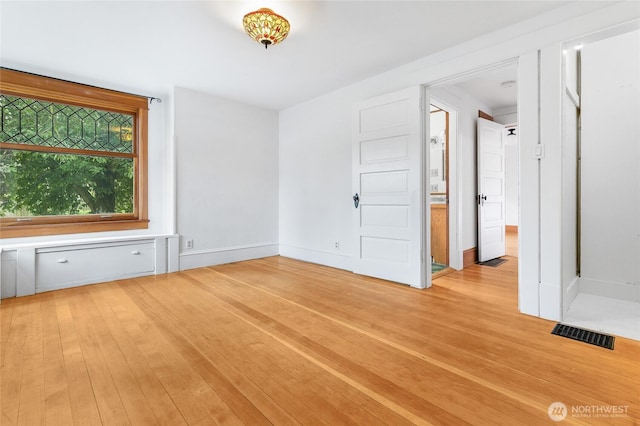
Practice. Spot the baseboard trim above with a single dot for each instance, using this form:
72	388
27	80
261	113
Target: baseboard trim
334	260
550	301
613	290
202	258
469	257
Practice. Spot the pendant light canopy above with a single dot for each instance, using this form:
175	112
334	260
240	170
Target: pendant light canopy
266	27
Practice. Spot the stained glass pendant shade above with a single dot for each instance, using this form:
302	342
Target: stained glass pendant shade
266	27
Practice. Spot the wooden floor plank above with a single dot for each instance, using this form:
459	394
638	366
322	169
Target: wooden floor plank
84	408
56	386
109	301
6	316
105	390
225	374
11	367
180	382
279	341
133	400
31	403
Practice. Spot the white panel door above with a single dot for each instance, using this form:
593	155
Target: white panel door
491	197
388	188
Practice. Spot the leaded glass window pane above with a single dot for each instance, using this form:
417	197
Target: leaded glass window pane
50	124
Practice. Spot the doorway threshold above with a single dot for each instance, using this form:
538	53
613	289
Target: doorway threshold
442	273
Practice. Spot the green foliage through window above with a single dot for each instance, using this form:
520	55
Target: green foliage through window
46	184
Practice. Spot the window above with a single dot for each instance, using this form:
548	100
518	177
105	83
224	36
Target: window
72	157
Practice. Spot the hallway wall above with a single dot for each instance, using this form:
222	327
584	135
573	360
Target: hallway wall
610	179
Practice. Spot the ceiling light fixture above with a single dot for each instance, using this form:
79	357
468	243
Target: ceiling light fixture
266	27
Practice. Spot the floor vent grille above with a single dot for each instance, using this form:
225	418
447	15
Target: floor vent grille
582	335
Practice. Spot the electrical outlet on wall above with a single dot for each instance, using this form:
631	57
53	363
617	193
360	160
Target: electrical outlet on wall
336	245
188	244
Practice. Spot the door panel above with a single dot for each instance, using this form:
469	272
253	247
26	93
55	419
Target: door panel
395	148
387	176
389	216
491	197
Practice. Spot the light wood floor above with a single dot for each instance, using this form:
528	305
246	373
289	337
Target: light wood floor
278	341
511	242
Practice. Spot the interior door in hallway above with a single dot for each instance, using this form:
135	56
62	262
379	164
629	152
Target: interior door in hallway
491	194
388	183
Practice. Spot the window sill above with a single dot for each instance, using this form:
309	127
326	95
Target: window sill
70	228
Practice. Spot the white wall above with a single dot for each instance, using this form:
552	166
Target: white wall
315	181
570	105
512	176
610	250
227	179
506	115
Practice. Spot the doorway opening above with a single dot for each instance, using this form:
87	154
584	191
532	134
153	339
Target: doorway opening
600	107
438	188
492	90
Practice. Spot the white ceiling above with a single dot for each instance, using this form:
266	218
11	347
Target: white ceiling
490	88
151	46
